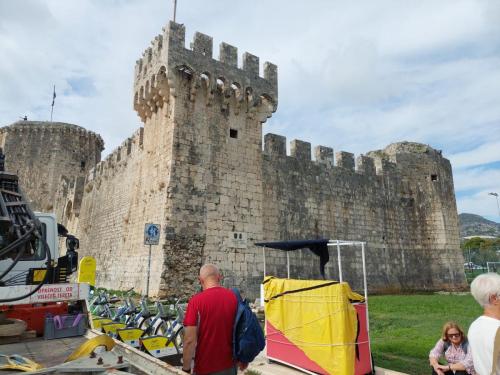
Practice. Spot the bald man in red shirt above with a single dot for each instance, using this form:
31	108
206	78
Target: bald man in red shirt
208	327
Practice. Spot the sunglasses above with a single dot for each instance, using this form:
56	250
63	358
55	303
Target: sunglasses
454	335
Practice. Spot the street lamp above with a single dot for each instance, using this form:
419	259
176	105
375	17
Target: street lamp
498	205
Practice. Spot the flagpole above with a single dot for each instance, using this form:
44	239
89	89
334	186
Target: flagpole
53	101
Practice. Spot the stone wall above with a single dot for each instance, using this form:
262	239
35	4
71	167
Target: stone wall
42	153
405	211
124	192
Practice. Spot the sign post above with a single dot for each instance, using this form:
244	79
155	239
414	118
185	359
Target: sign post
151	237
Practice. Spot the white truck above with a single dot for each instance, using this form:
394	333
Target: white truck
26	274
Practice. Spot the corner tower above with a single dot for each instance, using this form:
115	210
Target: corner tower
42	153
206	114
427	194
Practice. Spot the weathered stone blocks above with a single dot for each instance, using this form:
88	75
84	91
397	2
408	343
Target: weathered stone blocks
345	160
324	155
300	149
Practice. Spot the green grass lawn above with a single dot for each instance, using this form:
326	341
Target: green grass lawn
404	328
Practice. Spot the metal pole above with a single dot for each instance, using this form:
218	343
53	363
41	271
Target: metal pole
262	285
288	264
149	272
498	205
264	257
365	285
175	8
339	262
366	300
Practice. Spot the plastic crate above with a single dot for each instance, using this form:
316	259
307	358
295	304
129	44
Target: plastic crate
34	316
60	326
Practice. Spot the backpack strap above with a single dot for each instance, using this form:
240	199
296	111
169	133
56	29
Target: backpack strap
446	346
239	312
465	346
237	294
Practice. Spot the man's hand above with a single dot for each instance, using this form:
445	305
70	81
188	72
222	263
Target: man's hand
190	337
242	366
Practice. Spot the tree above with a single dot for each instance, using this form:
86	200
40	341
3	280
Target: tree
481	250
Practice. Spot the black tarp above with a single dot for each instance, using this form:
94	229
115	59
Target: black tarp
318	247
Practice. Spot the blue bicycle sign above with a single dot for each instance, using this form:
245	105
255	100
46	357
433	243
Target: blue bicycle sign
151	234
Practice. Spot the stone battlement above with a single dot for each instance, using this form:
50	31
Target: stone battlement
164	65
380	162
128	149
53	127
45	153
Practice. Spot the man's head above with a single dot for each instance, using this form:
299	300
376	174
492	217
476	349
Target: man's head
485	289
209	276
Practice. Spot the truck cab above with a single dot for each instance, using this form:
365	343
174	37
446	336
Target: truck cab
28	263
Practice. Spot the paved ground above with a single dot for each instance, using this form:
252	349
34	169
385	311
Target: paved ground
53	352
262	365
45	352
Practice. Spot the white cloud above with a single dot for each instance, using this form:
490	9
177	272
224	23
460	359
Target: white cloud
481	204
477	179
472	186
484	154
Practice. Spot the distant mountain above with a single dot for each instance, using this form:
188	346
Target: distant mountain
471	225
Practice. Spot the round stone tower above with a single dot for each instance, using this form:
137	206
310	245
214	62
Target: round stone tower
44	153
428	196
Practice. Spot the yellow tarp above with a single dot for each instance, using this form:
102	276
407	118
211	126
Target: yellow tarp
317	317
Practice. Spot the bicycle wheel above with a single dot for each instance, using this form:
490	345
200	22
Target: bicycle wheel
178	339
164	328
147	325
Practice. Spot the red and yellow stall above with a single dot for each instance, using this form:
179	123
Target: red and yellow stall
317	326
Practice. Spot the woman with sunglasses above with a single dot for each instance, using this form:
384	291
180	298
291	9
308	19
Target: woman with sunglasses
454	346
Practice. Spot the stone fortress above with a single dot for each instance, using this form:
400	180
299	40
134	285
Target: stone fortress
199	169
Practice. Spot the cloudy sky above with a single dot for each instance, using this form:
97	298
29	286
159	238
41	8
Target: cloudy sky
353	75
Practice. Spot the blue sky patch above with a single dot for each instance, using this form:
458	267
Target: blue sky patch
81	86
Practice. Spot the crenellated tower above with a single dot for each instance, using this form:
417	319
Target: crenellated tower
167	63
203	117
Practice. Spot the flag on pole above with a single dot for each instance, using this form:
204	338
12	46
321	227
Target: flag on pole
54	96
53	102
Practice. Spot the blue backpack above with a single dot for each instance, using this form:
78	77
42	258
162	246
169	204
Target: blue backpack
248	337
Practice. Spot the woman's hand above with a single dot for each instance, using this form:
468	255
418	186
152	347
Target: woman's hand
435	365
442	369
